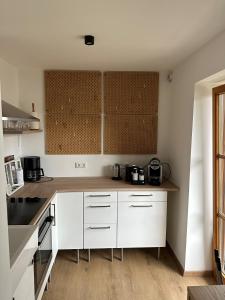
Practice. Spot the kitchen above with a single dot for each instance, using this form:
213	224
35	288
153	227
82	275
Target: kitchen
74	213
97	159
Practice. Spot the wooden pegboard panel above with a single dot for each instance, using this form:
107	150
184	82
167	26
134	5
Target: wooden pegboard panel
73	91
73	134
130	134
131	92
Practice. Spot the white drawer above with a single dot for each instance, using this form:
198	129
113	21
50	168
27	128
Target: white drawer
105	196
142	196
100	212
99	236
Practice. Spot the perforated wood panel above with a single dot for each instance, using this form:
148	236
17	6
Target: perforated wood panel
69	134
73	91
131	92
73	112
131	108
130	134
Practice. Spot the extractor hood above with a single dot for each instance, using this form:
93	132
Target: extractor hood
12	113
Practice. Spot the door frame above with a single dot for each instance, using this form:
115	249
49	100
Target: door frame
216	156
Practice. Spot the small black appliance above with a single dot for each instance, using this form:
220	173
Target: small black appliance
155	172
32	170
129	172
116	172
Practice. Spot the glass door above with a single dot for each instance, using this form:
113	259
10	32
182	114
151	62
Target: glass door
219	172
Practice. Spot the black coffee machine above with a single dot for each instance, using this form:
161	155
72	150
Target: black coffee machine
155	172
32	168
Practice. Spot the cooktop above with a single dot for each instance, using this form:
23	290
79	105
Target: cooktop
21	211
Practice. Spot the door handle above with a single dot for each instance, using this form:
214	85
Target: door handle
95	196
136	195
99	227
133	205
99	206
54	222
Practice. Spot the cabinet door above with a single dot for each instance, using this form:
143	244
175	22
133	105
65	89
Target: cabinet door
70	220
141	224
25	289
54	210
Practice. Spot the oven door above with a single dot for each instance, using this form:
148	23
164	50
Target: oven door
43	255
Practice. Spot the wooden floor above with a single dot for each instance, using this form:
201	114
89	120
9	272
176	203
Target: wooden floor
139	277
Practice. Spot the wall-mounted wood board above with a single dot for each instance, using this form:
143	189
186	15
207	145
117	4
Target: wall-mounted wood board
73	112
130	134
131	108
131	92
78	92
69	134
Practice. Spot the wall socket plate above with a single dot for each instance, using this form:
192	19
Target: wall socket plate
80	165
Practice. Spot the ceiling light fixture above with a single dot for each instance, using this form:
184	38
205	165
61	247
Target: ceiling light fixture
89	40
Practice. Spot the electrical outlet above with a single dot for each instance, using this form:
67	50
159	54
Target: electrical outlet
80	165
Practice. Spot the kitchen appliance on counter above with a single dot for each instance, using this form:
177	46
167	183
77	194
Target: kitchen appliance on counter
32	168
21	211
135	174
116	172
129	172
155	172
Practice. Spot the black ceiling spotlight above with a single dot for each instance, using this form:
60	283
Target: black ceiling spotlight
89	40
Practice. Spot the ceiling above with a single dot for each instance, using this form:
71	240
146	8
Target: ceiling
130	34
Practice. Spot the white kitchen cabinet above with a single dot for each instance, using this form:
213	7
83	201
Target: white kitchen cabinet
142	196
100	219
141	222
99	236
100	196
107	219
25	288
103	212
70	220
54	212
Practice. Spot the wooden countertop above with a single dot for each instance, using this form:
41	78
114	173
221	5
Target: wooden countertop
211	292
83	184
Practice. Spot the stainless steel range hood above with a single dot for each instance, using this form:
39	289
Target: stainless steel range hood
12	113
15	120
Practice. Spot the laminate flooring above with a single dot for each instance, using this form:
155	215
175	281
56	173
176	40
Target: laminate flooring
141	276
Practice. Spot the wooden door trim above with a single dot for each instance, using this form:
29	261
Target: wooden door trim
216	156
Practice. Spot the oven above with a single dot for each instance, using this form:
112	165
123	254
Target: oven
43	256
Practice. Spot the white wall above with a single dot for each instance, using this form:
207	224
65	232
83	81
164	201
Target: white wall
31	83
10	93
200	207
209	60
5	281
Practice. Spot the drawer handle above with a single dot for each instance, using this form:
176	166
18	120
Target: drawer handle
94	196
141	205
135	195
100	227
98	206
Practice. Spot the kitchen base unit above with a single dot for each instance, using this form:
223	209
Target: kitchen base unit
25	288
142	219
100	220
70	220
